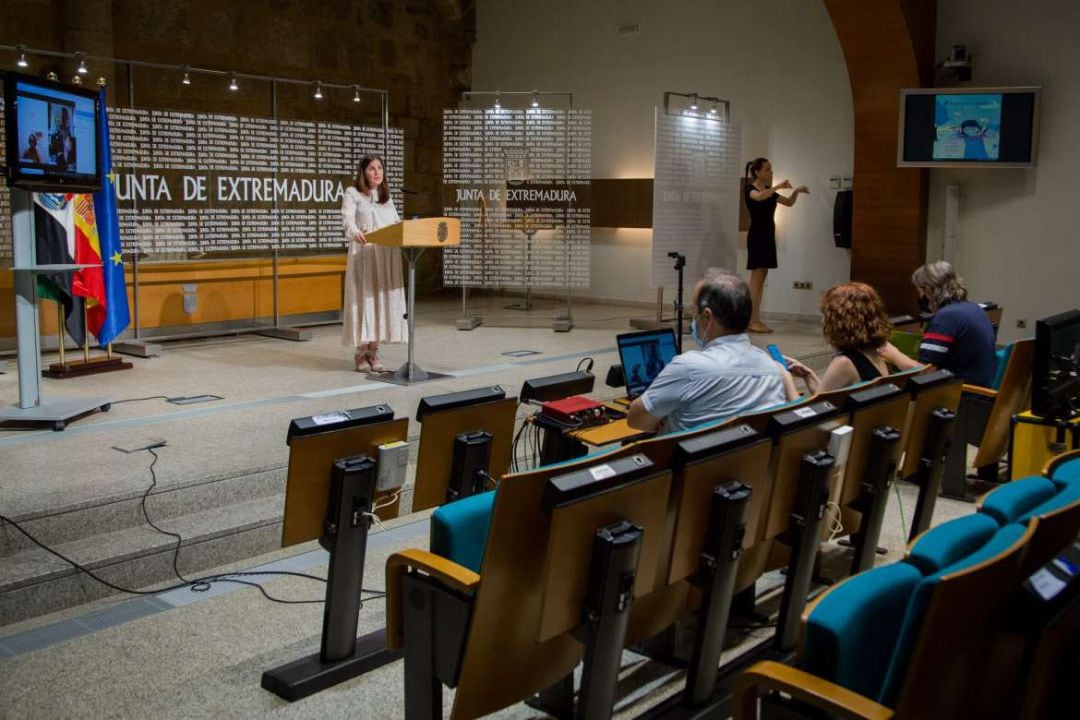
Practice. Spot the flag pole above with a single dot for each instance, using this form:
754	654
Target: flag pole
60	330
108	351
86	337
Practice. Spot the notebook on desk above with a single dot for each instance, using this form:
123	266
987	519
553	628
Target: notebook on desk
643	355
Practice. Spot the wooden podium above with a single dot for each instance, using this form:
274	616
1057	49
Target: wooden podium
414	237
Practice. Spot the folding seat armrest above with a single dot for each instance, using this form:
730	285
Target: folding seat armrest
445	571
980	390
768	676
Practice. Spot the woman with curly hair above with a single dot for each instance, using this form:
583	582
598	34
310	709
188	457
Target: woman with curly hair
856	325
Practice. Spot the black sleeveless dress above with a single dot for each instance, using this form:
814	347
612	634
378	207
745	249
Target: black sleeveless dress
862	364
761	239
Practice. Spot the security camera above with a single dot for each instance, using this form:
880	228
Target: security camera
958	57
957	67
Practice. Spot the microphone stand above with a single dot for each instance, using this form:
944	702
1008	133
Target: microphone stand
680	263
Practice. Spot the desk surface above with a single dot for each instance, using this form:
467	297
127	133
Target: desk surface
610	432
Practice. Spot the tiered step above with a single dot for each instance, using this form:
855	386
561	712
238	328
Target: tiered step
221	521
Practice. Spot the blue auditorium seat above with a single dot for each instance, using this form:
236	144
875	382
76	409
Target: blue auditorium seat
1012	500
920	602
1003	360
950	542
459	529
1068	496
1067	472
851	632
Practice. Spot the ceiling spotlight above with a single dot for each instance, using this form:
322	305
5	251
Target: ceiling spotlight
82	69
318	90
712	110
693	102
498	102
356	96
22	58
535	100
102	82
186	80
76	80
52	76
233	85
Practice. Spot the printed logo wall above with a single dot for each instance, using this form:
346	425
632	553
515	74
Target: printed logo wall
519	180
695	195
202	182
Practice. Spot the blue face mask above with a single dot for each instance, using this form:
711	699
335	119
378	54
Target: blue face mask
694	333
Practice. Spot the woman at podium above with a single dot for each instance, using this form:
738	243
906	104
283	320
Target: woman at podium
374	309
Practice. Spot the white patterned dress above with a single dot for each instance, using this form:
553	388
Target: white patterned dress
374	308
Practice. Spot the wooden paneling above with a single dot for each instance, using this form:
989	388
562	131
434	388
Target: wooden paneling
622	203
226	290
888	45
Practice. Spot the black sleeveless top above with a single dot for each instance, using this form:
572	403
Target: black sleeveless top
862	364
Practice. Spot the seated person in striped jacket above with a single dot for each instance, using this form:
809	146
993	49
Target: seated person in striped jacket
959	337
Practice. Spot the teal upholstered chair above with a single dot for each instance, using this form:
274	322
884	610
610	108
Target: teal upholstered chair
1065	468
459	529
906	638
1012	500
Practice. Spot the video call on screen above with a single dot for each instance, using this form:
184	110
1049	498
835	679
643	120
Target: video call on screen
644	359
55	132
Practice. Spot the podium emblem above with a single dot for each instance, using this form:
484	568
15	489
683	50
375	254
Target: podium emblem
443	232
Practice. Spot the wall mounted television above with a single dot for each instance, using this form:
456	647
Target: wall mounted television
968	127
52	135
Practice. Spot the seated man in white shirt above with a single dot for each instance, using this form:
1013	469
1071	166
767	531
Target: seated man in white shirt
727	377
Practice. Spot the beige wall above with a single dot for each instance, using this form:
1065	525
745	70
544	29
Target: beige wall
779	63
1018	237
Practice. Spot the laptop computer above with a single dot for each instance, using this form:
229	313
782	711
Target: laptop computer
643	355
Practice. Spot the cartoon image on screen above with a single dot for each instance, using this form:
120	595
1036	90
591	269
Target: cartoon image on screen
643	356
967	127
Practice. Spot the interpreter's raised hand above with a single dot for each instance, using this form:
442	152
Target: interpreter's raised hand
360	237
783	185
803	189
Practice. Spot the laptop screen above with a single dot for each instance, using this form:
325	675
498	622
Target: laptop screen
643	355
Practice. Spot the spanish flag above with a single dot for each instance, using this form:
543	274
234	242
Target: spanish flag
88	283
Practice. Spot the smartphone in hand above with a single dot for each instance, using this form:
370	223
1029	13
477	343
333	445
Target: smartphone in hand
777	355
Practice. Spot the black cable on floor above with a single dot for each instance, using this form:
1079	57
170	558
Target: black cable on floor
192	584
201	584
152	397
146	516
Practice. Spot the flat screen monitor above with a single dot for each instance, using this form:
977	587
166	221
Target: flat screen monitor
643	355
968	127
1055	391
52	135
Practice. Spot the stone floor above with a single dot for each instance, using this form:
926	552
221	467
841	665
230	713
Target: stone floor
204	656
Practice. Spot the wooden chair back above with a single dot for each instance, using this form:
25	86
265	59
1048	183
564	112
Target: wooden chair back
436	451
506	661
941	390
307	485
1012	398
945	674
794	431
566	568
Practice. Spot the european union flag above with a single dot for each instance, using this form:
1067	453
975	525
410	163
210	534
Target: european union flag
117	315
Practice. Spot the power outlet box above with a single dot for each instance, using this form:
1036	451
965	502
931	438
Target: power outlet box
1021	322
803	285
